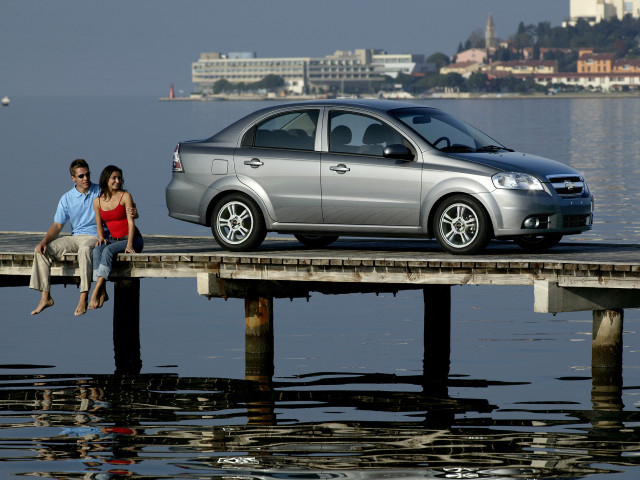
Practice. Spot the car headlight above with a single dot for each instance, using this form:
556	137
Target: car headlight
516	181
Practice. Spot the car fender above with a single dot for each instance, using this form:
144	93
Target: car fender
465	186
231	184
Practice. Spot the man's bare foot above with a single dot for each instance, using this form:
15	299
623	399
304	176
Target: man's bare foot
44	303
81	309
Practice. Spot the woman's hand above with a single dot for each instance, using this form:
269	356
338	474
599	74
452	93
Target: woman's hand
101	240
129	249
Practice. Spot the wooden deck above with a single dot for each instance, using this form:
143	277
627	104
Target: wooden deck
352	261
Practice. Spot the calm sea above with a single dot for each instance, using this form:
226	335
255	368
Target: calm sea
349	398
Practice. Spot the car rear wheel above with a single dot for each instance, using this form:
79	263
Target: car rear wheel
538	243
316	241
237	223
461	225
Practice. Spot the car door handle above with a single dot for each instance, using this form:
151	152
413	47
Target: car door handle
341	169
254	162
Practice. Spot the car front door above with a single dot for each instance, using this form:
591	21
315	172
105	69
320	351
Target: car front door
278	161
359	185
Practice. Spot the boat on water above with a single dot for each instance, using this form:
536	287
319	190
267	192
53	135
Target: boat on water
5	101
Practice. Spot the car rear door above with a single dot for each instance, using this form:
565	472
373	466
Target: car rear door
278	160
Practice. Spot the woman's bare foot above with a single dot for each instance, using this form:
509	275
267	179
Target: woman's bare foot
98	298
94	303
103	298
45	302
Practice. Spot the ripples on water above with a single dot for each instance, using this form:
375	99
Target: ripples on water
349	396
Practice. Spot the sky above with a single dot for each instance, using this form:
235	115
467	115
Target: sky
141	47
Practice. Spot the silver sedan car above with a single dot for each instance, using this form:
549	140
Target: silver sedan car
327	168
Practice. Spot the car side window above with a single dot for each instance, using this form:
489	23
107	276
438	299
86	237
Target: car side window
291	131
359	134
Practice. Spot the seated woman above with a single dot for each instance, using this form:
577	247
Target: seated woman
111	208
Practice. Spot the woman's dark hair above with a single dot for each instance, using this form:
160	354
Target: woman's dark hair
106	175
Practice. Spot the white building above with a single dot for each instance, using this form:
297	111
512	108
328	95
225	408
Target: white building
594	11
391	64
361	68
602	82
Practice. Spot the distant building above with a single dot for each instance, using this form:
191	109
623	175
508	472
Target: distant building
360	68
602	82
594	11
392	64
522	67
490	38
462	68
589	62
478	55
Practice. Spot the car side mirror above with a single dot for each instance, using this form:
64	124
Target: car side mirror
398	151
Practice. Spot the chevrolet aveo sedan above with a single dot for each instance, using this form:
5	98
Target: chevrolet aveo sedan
327	168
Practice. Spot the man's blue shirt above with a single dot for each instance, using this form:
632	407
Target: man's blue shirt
78	208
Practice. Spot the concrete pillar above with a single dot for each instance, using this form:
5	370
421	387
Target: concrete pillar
606	368
258	338
126	326
437	332
259	366
607	339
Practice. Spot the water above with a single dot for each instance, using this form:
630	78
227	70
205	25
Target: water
349	398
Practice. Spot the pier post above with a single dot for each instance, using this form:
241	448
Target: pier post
259	357
126	326
258	337
606	368
607	339
437	332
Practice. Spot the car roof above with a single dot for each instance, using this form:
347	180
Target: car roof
371	103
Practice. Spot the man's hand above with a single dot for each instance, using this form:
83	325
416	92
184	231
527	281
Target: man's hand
52	234
41	248
132	211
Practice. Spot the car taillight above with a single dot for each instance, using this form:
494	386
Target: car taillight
177	163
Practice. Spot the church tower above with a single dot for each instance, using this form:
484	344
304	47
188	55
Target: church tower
490	38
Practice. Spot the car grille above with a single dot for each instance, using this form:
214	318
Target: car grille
567	185
572	221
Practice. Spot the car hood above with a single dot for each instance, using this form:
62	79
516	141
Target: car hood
518	162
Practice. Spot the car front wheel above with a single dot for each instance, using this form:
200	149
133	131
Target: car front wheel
461	225
538	243
237	223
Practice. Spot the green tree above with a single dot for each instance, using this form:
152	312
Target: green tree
222	86
440	59
478	82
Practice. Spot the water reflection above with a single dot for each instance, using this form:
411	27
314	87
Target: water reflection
137	424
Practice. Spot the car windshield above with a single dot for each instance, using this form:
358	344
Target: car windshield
445	132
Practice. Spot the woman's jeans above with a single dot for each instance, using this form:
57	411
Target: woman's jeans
103	255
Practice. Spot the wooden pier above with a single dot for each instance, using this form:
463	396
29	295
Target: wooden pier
597	277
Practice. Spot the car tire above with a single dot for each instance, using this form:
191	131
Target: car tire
538	243
237	223
316	241
461	225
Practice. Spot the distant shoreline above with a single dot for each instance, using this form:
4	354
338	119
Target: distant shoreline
457	96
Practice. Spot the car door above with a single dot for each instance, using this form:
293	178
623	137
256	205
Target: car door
278	160
359	185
